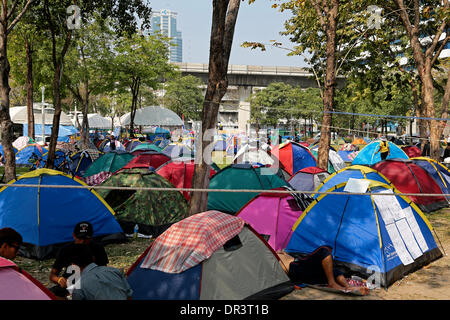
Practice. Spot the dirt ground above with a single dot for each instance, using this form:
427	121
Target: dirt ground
429	283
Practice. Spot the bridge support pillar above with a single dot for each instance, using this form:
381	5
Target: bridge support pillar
244	108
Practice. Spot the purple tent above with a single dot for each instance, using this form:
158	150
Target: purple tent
272	215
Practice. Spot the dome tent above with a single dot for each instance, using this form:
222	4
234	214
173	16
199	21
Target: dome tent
241	176
48	215
368	157
308	179
272	215
335	162
408	177
147	159
439	172
355	172
180	264
108	162
152	210
180	173
17	284
383	236
144	147
293	156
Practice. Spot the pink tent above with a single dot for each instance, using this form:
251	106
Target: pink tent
272	215
16	284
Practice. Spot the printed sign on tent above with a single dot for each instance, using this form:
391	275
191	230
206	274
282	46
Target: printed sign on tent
357	185
401	227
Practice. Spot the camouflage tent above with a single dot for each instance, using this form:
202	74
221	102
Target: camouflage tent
152	211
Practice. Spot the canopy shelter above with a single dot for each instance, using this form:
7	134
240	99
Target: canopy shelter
45	217
95	121
153	116
19	115
379	233
150	210
208	256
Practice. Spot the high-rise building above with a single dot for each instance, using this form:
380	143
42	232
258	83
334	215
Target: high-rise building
165	22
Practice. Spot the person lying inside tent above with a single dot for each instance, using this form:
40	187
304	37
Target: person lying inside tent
317	269
97	282
82	235
10	241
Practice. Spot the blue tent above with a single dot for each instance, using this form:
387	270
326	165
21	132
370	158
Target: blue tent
345	155
79	162
25	155
178	151
1	150
63	134
438	172
368	157
355	172
382	237
45	217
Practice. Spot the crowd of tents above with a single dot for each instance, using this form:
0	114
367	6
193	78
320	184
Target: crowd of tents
357	206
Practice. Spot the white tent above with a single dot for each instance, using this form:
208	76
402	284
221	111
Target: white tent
19	115
253	155
153	116
95	121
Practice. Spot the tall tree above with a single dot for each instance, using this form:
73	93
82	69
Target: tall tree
224	18
141	60
425	23
10	15
126	14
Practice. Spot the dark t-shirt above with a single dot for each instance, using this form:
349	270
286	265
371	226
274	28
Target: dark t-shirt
63	258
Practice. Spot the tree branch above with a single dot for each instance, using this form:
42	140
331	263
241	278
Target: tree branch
430	50
19	16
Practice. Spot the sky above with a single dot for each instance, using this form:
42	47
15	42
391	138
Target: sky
257	22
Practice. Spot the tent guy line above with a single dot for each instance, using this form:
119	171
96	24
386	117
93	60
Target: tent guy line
217	190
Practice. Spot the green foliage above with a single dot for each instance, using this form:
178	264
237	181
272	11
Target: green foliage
183	95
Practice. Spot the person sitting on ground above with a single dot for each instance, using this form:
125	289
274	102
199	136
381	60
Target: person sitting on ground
384	149
317	269
82	235
10	241
97	282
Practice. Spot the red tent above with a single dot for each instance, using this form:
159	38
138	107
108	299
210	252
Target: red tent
148	159
408	177
293	156
412	151
180	174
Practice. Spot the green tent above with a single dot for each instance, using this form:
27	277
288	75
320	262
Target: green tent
147	147
151	210
109	162
241	176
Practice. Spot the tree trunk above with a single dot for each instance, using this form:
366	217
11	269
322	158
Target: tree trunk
330	82
56	117
5	119
29	86
222	31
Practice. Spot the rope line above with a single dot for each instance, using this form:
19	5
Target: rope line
215	190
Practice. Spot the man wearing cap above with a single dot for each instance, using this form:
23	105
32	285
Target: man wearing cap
82	235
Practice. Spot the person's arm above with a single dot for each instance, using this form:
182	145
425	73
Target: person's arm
55	278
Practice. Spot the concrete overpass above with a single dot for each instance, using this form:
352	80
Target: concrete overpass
243	79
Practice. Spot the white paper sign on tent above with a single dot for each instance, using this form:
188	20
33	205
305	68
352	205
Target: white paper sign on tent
408	238
415	229
356	185
399	245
